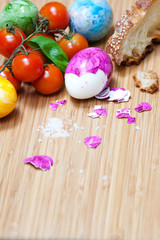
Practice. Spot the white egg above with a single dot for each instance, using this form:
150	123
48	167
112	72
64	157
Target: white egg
88	73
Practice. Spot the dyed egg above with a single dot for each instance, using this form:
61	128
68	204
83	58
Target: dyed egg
8	97
91	18
88	73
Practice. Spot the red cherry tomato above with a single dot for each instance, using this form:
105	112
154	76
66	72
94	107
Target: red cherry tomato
71	46
27	68
7	74
9	41
44	35
50	81
57	15
38	53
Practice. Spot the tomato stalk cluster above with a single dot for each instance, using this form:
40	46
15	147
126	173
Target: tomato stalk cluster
21	49
25	63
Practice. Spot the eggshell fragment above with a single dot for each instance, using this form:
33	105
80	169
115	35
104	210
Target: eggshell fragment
123	113
40	161
114	94
92	141
101	111
131	120
143	106
54	106
62	102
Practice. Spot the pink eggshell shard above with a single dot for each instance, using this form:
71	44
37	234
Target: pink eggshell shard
40	161
90	60
115	89
131	120
123	113
143	106
54	106
101	111
62	102
92	141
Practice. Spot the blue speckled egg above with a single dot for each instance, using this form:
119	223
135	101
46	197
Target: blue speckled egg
91	18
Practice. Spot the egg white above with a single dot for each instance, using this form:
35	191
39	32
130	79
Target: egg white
85	86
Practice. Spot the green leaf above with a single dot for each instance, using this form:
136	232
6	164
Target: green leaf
51	49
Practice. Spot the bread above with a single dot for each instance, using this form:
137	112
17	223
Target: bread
135	33
146	81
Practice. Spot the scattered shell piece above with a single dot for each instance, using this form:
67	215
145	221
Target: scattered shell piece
92	141
39	140
101	111
40	161
143	106
126	113
131	120
93	115
81	171
115	94
98	110
123	113
62	102
54	106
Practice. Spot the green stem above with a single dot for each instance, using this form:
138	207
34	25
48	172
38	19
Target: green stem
10	59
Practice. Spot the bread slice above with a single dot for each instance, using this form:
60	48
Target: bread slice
135	33
146	81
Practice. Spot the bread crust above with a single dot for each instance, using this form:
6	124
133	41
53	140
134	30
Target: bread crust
140	81
122	27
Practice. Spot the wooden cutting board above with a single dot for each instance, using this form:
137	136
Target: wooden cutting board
111	192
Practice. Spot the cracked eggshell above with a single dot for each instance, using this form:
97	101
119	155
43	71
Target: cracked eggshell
88	73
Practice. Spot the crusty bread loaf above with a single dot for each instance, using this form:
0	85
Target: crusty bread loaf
146	81
135	33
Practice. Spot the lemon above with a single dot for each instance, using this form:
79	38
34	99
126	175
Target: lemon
8	97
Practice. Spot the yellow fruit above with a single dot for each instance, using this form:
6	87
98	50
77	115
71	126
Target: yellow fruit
8	97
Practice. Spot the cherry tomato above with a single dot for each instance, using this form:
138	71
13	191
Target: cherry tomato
27	68
7	74
73	45
57	15
9	41
38	53
50	82
44	35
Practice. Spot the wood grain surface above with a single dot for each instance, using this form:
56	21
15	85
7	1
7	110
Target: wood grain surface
111	192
